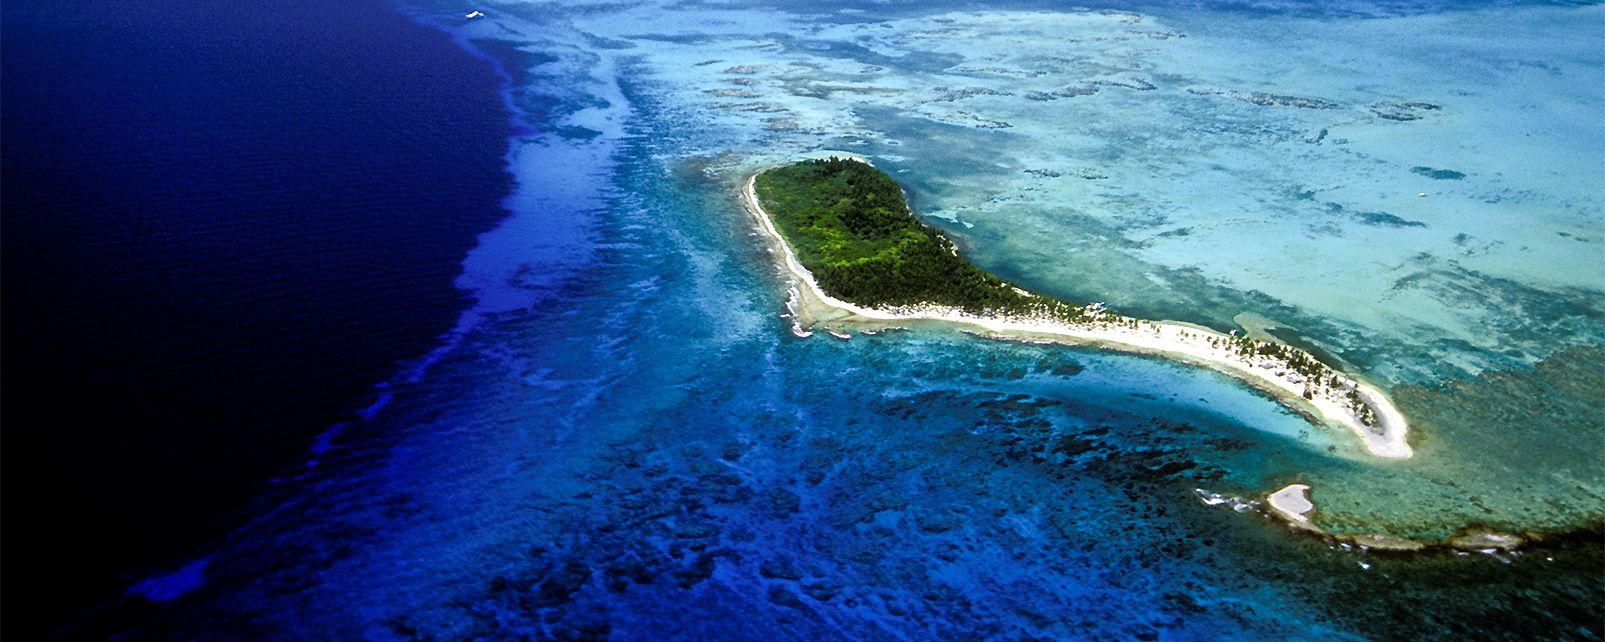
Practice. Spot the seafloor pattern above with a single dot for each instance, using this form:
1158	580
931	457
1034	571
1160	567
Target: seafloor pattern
623	439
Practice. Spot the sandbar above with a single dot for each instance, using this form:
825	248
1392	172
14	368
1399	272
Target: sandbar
1292	502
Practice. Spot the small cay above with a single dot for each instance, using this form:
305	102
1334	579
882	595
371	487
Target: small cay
862	260
1293	505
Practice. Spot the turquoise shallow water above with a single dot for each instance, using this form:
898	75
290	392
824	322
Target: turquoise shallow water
612	465
623	439
1412	194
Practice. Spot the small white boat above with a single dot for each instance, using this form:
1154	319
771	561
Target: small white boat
476	14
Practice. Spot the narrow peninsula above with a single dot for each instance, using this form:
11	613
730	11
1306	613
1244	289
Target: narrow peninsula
861	259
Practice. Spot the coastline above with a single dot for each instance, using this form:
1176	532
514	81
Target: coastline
810	306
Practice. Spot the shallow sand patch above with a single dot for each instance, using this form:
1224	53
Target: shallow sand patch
1293	503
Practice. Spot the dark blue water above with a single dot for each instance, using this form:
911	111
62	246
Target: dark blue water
224	223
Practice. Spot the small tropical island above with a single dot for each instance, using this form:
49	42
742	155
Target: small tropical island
862	260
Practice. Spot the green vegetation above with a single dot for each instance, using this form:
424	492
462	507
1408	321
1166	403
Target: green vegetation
848	224
1293	358
1316	374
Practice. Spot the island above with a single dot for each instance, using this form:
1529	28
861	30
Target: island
862	260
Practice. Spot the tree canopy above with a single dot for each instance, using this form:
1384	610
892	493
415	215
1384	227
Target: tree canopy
848	224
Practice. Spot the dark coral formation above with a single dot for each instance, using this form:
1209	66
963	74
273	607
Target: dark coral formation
1403	111
1438	174
1279	100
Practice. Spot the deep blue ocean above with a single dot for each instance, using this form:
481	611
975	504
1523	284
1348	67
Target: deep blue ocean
223	227
379	322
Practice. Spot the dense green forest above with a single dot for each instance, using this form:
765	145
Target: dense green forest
848	224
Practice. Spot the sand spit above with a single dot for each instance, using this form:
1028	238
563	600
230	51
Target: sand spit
1343	404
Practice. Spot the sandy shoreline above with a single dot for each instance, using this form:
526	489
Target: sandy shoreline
810	306
1293	504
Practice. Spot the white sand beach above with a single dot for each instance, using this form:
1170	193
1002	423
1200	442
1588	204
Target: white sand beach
1385	437
1292	502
